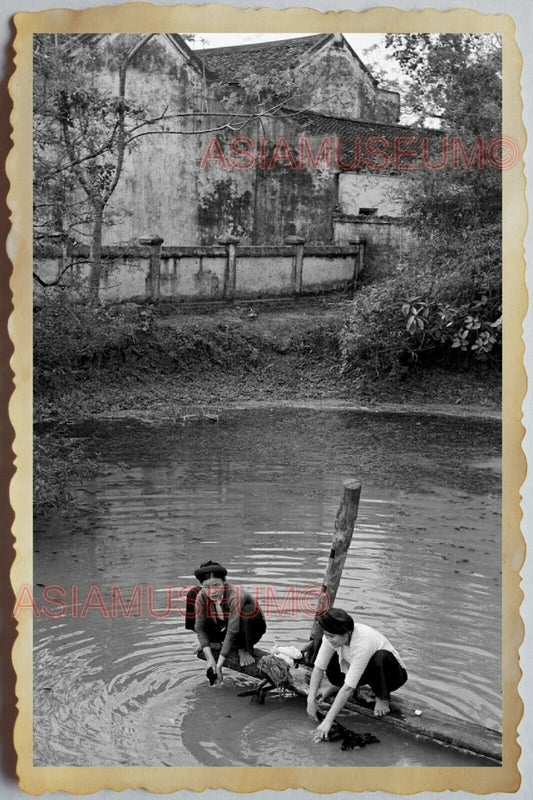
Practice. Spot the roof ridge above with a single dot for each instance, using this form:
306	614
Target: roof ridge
316	37
295	113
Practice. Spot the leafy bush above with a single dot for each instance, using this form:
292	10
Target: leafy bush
372	337
439	327
442	307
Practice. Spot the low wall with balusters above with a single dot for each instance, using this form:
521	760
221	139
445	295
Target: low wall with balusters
223	271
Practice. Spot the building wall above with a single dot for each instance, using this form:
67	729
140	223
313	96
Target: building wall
386	193
291	200
387	241
387	105
335	82
164	191
161	188
225	195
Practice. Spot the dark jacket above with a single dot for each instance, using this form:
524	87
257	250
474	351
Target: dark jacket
237	604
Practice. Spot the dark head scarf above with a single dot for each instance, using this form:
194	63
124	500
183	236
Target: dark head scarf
336	621
210	569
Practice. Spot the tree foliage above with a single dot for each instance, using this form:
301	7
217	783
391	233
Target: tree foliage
454	80
443	304
82	134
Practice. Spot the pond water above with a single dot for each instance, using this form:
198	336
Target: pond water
259	490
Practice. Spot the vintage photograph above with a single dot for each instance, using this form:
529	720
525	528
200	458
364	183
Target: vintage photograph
267	379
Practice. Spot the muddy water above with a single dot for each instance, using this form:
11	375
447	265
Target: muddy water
259	491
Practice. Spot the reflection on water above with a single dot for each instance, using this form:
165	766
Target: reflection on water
259	491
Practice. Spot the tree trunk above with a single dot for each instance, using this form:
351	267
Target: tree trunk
95	255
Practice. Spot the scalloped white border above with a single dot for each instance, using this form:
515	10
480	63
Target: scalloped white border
211	18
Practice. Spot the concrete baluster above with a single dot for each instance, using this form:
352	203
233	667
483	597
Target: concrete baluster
230	274
297	262
153	279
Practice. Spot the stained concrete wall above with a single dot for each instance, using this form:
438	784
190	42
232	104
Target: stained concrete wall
201	273
387	241
226	198
158	189
263	275
387	105
294	202
291	200
123	279
164	190
386	193
327	272
194	276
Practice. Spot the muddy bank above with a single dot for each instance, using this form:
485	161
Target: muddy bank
239	355
195	412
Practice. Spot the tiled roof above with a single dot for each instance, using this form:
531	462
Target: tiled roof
260	57
313	124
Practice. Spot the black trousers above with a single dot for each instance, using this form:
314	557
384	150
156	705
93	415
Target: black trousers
383	674
252	625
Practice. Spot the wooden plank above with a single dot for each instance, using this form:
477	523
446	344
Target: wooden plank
437	727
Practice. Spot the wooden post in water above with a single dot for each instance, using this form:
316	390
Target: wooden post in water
342	536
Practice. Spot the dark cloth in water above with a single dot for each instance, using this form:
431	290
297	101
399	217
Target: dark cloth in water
350	739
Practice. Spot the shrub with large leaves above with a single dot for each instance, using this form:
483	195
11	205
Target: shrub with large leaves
443	306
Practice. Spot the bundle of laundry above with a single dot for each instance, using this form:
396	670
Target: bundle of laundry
275	670
288	653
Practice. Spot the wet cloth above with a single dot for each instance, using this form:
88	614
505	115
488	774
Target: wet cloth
241	625
354	657
350	740
276	670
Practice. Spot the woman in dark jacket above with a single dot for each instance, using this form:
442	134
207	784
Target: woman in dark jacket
221	613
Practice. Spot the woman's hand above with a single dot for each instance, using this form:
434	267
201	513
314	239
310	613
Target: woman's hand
220	674
312	709
211	663
322	732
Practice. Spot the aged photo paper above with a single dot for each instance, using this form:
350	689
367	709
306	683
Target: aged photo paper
211	209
